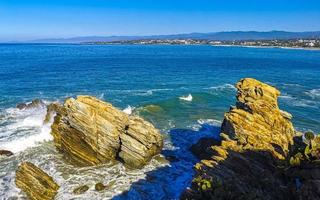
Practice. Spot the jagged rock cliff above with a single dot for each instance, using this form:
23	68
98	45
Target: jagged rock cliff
90	132
35	183
256	122
252	159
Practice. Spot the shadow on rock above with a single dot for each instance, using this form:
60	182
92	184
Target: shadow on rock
169	181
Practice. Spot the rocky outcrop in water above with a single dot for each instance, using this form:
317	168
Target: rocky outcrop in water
256	122
90	132
260	155
37	184
5	153
34	104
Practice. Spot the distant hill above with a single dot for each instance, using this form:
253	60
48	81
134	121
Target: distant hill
226	36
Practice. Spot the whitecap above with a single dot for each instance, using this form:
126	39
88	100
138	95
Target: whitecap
128	110
186	98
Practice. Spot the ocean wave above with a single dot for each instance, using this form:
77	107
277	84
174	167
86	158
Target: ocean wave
139	92
293	101
314	93
226	86
128	110
21	129
292	84
186	98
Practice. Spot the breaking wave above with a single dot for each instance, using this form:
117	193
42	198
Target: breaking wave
128	110
186	98
21	129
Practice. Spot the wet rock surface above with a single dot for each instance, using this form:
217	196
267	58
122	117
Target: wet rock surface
260	155
91	132
34	104
5	153
37	184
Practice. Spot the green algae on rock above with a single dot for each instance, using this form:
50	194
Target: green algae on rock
91	132
99	187
81	189
37	184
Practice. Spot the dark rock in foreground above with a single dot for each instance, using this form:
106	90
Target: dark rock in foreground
5	153
35	183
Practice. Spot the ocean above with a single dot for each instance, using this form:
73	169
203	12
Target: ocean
183	90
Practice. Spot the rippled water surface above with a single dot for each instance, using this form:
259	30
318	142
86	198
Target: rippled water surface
149	80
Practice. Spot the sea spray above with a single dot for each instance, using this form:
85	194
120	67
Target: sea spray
128	110
24	129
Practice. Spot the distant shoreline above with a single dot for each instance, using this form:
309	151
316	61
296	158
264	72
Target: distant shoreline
271	47
131	44
217	45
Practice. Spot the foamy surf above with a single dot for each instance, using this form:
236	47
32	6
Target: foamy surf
24	129
186	98
128	110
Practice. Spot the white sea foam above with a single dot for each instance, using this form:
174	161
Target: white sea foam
209	121
128	110
24	128
186	98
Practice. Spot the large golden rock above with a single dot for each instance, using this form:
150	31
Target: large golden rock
249	161
90	132
257	122
37	184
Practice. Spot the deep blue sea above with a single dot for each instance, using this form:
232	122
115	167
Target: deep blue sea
150	81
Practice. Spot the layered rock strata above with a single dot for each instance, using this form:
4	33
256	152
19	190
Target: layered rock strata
252	159
90	132
37	184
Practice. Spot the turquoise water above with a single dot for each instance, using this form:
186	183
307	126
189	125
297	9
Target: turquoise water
143	75
149	79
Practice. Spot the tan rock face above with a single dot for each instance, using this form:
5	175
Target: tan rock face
35	183
250	161
257	122
90	132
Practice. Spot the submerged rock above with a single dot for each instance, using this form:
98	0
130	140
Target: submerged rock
5	153
37	184
81	189
90	132
252	161
99	186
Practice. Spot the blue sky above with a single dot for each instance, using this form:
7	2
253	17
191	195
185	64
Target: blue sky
30	19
